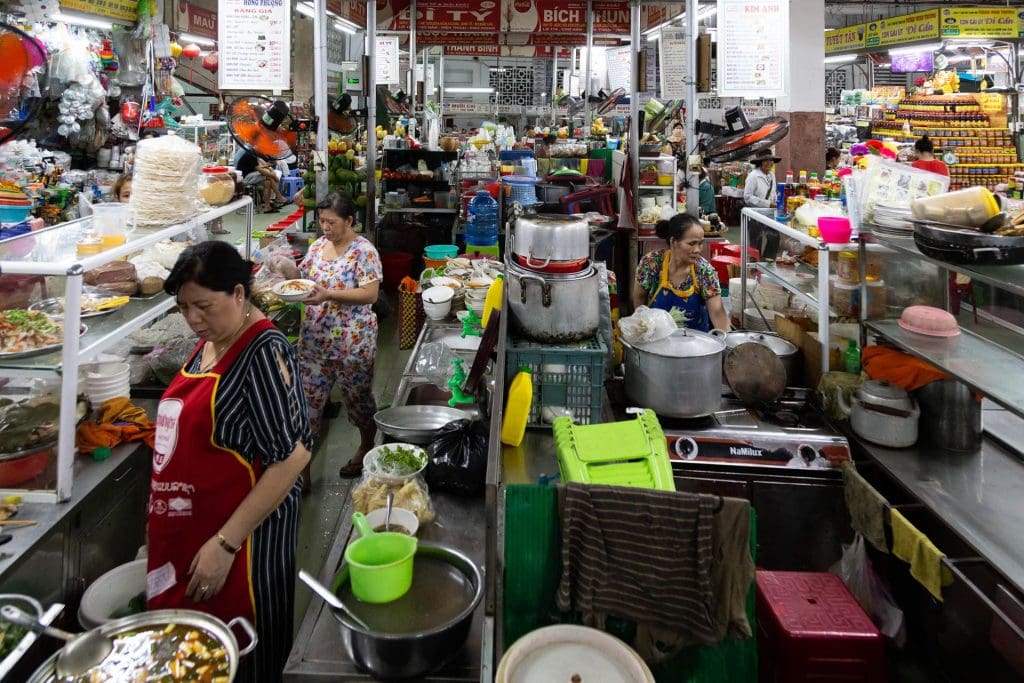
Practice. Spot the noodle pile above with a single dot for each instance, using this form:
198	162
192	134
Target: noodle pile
165	185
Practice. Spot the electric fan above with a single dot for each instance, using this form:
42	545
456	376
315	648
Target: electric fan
739	138
22	67
262	126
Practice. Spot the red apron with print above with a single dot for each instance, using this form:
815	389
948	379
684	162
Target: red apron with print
196	486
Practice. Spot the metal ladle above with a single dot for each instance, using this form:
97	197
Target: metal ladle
82	652
387	512
330	598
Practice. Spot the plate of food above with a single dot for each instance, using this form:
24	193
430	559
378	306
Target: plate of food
93	304
294	290
27	333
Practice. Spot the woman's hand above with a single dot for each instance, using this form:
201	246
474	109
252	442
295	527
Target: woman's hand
209	571
319	295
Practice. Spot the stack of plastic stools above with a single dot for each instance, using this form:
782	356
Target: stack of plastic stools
811	628
290	185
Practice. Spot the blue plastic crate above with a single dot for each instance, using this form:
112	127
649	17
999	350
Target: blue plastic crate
569	376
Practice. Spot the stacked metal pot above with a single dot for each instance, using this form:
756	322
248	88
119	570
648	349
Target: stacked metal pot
553	288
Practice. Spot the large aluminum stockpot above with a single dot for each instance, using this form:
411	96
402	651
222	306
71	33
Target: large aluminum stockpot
680	376
545	238
554	309
409	655
787	351
162	617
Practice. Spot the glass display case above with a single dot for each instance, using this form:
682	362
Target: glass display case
213	140
49	331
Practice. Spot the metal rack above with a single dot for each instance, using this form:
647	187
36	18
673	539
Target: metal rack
52	252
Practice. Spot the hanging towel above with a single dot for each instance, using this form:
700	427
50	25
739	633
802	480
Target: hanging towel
910	545
641	555
903	370
866	505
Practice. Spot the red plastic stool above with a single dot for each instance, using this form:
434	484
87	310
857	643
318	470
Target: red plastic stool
721	265
718	248
734	250
599	197
810	628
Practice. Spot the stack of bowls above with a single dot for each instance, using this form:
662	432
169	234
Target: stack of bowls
437	302
453	284
476	294
104	381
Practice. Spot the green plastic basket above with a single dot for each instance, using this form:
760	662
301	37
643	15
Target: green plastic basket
570	376
627	453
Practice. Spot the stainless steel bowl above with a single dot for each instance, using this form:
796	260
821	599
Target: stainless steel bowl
416	423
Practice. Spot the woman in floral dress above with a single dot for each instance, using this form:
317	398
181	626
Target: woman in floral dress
338	340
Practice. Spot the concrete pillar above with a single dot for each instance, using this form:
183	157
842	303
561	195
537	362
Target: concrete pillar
804	147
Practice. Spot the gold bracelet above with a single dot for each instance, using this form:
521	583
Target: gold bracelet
227	546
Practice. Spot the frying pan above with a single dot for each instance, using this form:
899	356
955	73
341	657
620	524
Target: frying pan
754	373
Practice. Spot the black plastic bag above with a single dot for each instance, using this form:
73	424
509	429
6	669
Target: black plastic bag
458	458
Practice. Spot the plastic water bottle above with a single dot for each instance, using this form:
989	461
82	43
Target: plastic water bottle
482	227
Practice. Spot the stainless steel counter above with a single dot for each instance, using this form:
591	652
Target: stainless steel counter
977	495
462	523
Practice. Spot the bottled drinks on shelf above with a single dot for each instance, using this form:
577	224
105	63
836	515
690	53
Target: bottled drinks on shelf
803	177
482	226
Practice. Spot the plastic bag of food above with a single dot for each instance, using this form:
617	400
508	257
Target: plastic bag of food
372	493
458	458
167	359
647	325
435	363
810	211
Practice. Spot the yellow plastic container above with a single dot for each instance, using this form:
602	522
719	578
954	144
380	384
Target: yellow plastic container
495	293
517	408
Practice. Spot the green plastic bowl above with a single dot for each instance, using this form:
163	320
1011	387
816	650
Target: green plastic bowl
380	564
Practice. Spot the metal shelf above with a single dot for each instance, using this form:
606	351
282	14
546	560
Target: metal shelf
801	281
761	216
1008	278
986	367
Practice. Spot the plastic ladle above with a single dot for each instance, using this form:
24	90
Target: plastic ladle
82	652
380	564
329	597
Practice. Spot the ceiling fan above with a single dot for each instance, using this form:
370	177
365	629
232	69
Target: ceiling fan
341	117
22	68
262	126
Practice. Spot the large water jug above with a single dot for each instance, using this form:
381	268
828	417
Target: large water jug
482	226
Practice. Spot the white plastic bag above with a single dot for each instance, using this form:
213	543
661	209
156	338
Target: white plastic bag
647	325
855	569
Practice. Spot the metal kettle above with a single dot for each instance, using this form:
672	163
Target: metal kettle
950	415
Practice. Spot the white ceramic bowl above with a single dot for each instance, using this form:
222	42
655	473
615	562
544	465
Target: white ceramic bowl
437	311
453	283
372	468
111	592
105	370
293	290
438	295
400	516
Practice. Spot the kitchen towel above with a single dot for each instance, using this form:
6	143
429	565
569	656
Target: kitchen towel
903	370
120	421
732	568
910	545
866	505
639	554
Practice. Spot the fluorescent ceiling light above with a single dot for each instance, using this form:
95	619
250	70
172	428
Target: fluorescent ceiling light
959	59
350	24
961	42
305	10
840	59
344	29
884	65
930	47
707	12
198	40
88	22
469	90
653	36
652	31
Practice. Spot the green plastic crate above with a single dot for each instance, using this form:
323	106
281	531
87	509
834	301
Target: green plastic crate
627	453
569	376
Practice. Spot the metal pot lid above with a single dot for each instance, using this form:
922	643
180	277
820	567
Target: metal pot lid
553	220
886	393
684	343
781	347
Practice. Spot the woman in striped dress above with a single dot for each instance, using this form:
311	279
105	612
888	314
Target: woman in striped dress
232	439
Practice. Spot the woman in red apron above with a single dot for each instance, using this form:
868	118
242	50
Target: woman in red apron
232	438
680	277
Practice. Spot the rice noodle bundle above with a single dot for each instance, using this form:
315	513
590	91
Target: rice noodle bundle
165	184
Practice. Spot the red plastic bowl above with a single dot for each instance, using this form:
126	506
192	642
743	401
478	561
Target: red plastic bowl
19	469
835	229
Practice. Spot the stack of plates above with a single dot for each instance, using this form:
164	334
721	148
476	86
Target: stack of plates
753	322
893	220
104	381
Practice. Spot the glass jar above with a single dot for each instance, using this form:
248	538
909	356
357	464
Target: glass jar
216	185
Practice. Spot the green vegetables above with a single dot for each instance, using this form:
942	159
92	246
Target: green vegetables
10	636
399	460
678	316
137	605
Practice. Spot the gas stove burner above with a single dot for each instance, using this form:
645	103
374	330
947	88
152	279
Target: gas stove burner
683	424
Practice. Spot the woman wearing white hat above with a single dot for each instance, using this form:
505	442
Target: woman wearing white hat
759	190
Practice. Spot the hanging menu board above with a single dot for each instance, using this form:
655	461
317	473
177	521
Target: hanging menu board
387	60
672	59
619	64
254	37
753	40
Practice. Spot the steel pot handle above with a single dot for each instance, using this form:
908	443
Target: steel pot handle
530	261
718	334
27	599
243	624
982	250
545	289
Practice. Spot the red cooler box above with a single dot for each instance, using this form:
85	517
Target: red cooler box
810	628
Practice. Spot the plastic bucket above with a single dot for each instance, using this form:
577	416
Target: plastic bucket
395	265
380	565
441	251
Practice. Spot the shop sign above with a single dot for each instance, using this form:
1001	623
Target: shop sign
906	29
561	17
655	15
255	44
350	10
982	22
753	48
672	57
125	10
845	39
466	16
471	50
387	60
451	40
192	19
619	61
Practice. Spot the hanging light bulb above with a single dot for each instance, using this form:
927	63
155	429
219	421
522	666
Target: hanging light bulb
191	51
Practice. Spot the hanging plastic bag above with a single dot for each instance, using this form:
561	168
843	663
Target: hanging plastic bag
435	363
647	325
458	458
855	569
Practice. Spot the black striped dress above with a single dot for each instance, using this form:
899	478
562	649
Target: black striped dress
261	413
